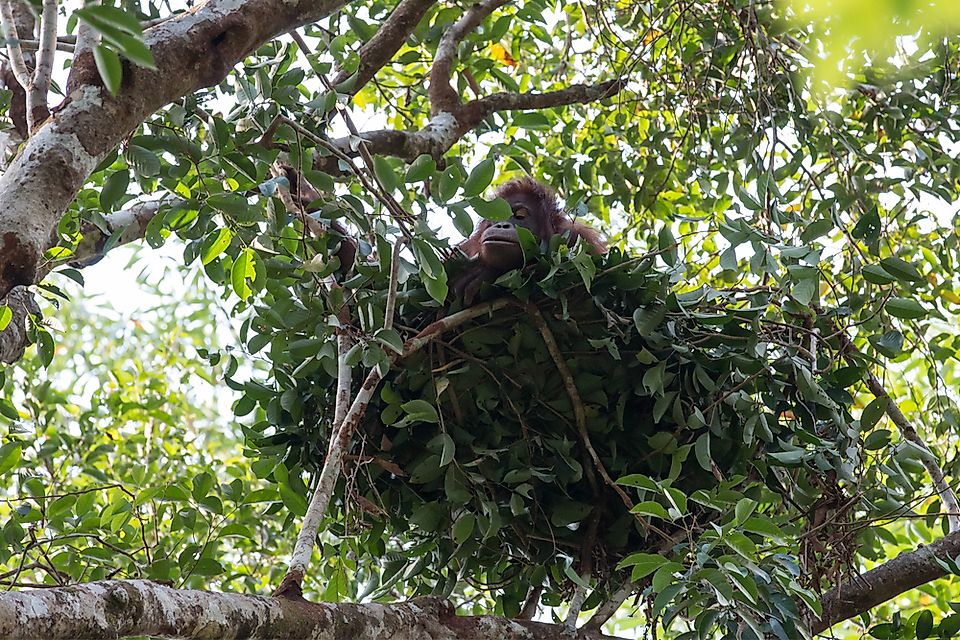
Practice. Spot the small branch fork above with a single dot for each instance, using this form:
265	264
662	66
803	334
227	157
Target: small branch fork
36	84
451	117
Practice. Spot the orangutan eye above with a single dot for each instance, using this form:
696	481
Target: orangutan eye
521	213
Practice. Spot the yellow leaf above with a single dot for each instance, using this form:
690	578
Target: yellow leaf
651	35
500	54
950	296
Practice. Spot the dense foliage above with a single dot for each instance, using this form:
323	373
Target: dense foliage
474	452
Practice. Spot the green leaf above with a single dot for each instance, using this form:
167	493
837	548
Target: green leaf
924	624
385	173
7	410
479	179
877	440
463	527
6	315
744	509
420	411
905	308
421	169
108	64
449	449
872	413
643	564
436	286
448	184
9	456
495	210
114	188
876	274
889	344
103	15
133	48
648	319
901	269
390	339
702	450
651	508
667	244
243	272
816	229
219	243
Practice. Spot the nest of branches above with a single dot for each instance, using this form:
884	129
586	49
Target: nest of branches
597	416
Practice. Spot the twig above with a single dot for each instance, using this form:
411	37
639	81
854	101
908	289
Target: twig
33	45
391	306
579	413
909	432
532	605
586	569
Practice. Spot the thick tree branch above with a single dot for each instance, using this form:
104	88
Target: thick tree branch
12	37
380	49
13	339
25	24
445	129
122	608
87	36
574	94
192	50
443	97
122	227
867	590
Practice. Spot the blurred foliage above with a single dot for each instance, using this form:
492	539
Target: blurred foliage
758	190
114	466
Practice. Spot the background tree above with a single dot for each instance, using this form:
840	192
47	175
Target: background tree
813	209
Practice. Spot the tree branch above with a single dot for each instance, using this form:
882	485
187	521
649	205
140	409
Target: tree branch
867	590
445	129
929	459
380	49
574	94
87	36
443	97
192	50
37	110
344	430
122	227
14	52
123	608
606	610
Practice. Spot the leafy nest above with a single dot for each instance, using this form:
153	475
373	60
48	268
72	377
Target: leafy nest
473	450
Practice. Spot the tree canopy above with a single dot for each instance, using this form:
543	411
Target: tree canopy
739	422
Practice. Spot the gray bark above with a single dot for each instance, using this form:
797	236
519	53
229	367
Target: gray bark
120	608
